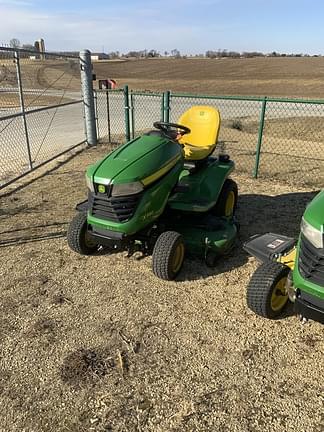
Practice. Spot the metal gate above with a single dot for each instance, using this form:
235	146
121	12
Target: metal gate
41	110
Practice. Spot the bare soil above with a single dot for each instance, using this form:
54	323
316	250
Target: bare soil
55	74
99	344
291	77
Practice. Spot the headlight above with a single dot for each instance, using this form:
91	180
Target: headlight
126	189
312	234
89	183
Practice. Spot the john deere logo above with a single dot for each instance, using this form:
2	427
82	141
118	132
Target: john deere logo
101	189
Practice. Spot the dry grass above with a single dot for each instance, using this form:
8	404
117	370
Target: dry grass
289	154
99	344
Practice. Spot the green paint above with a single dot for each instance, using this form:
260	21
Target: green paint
203	188
314	214
135	160
150	207
305	285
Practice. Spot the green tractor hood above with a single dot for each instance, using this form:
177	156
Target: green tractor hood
144	159
314	213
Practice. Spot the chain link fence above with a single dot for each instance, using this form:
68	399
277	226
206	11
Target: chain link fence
42	116
41	110
266	137
233	114
293	142
110	115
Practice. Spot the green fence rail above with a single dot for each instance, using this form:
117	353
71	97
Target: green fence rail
266	137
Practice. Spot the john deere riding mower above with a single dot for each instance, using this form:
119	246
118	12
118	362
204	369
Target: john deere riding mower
161	194
290	270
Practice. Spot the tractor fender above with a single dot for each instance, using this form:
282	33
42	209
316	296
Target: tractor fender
272	247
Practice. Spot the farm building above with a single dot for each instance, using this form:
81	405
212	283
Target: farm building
99	56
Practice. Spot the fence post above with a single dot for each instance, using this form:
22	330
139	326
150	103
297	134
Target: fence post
127	123
132	107
166	106
108	115
22	108
88	98
162	107
260	136
95	95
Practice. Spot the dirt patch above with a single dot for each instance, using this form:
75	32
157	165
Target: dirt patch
84	366
99	344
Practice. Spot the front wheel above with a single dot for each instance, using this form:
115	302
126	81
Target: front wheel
77	236
168	255
266	292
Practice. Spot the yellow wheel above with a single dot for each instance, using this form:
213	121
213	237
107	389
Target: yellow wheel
266	292
279	295
227	200
168	255
230	204
178	257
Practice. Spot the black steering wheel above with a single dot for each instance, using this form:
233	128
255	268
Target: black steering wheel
172	130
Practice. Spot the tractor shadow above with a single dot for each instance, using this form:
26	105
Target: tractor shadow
256	214
32	233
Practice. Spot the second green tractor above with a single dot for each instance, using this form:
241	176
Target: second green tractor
290	269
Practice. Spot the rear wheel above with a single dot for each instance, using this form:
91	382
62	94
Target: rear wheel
227	200
266	292
168	255
78	237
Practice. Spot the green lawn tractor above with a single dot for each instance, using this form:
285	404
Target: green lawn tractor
290	270
161	194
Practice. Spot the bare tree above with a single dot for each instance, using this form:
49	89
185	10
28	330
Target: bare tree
14	43
175	53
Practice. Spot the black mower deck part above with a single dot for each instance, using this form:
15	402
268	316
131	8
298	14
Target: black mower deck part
269	247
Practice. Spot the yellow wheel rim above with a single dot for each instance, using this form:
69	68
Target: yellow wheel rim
89	242
279	295
229	205
178	258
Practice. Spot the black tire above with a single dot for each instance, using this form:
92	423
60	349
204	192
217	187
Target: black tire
229	189
211	259
168	255
77	235
268	280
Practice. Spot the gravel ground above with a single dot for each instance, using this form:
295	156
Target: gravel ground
99	344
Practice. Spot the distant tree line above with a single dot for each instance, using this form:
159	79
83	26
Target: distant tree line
175	53
220	53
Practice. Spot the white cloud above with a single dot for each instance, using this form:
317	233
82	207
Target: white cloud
78	31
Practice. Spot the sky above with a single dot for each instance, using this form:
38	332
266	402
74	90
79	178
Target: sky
192	27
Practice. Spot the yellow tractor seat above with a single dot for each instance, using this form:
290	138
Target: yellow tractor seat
204	123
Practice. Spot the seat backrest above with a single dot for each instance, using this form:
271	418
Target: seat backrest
204	123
